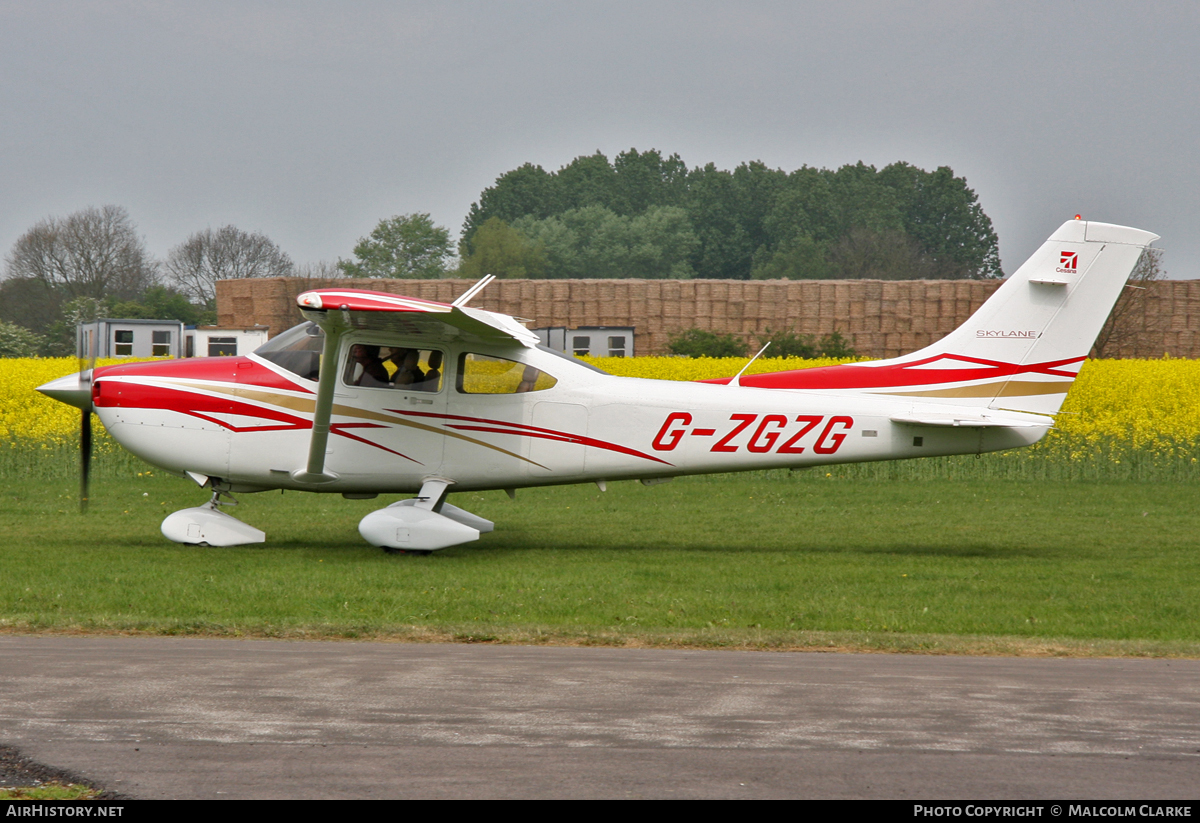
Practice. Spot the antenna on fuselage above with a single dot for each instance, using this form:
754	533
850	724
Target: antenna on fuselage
466	296
737	377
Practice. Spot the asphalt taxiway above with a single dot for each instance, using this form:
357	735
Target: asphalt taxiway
211	718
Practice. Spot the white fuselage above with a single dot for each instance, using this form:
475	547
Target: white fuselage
587	426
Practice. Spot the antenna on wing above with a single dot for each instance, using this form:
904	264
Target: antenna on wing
466	296
734	381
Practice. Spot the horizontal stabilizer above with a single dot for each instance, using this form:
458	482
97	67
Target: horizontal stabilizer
971	421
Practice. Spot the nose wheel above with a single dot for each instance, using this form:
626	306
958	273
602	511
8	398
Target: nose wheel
207	525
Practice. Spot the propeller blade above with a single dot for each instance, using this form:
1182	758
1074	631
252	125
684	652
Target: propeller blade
86	345
85	457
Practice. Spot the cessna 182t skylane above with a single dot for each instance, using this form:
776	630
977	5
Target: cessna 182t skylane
379	394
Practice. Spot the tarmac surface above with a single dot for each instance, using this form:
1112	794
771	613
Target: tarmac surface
214	718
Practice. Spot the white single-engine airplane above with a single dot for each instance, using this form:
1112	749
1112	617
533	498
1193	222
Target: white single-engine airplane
380	394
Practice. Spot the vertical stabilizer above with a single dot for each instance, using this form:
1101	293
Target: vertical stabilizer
1023	348
1046	317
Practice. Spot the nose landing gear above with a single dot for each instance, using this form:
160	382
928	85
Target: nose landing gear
207	525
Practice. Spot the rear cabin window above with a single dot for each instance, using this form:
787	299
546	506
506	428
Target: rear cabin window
372	366
482	374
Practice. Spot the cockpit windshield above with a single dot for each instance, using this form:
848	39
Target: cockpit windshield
298	350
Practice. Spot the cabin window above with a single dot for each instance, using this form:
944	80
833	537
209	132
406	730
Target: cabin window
123	343
222	347
160	343
373	366
482	374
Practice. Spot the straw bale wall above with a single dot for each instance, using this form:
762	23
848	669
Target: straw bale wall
880	318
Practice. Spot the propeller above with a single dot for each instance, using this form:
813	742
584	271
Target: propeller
76	390
85	444
87	352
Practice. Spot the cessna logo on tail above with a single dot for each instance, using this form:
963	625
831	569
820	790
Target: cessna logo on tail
1068	261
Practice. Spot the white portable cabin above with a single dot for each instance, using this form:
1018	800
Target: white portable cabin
595	341
109	337
216	341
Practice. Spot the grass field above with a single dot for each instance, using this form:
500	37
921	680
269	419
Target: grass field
766	561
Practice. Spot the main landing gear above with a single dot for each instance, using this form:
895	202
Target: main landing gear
423	524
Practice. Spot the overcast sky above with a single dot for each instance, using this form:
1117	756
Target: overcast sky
312	121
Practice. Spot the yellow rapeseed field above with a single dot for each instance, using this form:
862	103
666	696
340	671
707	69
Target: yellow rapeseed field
30	418
1116	408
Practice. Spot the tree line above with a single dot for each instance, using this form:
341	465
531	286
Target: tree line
93	263
645	216
641	215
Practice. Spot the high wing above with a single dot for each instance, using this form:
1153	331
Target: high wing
339	310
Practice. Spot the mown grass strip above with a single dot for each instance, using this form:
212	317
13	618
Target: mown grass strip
770	561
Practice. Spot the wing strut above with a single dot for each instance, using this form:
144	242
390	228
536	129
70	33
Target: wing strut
466	296
315	471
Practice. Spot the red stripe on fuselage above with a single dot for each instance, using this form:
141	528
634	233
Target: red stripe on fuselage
119	394
522	430
240	370
122	395
863	376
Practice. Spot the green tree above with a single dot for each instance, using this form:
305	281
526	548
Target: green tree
31	303
753	221
644	180
725	247
791	344
868	254
943	215
800	257
503	251
406	246
697	342
18	341
596	242
588	180
162	303
526	191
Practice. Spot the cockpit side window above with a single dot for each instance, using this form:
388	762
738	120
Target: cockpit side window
483	374
376	366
